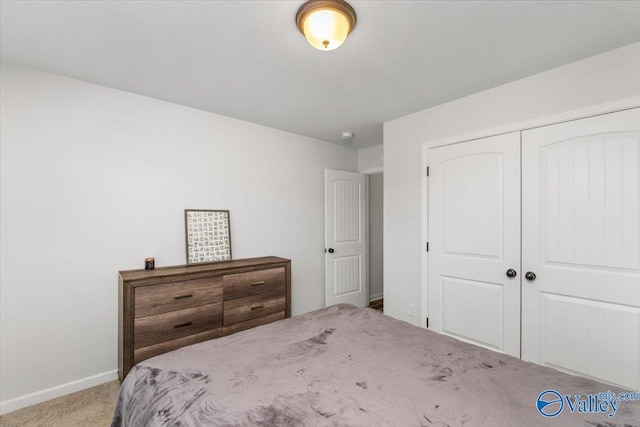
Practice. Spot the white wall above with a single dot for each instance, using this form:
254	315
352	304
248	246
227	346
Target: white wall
376	240
600	79
370	159
93	180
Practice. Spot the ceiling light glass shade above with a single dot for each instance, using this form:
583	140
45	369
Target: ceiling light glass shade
326	29
326	23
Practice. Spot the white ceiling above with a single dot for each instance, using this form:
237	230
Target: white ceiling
246	59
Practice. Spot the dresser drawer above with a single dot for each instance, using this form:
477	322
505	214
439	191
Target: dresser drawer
252	307
153	350
159	328
253	282
228	330
158	299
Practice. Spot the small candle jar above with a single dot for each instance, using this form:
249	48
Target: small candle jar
149	263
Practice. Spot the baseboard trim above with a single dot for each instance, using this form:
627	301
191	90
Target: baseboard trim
20	402
375	297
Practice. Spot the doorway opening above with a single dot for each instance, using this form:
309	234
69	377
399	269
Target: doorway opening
354	238
375	214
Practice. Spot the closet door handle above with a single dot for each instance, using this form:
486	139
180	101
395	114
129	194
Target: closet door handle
530	276
331	250
511	273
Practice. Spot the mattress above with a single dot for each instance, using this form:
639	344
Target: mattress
345	366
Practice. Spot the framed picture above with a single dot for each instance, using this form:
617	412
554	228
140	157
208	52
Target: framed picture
207	235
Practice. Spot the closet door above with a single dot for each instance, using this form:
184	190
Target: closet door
474	237
581	240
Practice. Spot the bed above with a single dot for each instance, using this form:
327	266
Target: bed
345	366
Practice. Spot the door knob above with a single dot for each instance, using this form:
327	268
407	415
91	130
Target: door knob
331	250
530	276
511	273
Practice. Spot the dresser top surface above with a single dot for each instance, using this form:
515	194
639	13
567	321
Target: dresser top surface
132	275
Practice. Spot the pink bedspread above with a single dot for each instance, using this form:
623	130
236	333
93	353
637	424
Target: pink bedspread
344	366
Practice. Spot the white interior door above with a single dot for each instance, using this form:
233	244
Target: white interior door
474	238
581	239
345	238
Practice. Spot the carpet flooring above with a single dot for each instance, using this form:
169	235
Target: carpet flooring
91	407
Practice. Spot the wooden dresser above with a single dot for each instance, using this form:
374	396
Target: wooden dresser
170	307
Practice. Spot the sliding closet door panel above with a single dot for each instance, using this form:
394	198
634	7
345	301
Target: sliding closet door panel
474	238
581	238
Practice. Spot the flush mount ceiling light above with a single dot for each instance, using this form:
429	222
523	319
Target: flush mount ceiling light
326	23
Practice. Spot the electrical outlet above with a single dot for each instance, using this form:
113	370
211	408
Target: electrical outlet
412	310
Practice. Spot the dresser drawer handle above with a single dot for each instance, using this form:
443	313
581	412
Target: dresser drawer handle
182	325
183	296
257	283
256	307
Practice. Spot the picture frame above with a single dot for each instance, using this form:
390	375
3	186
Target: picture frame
207	235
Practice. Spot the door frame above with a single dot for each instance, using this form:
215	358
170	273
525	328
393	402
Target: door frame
567	116
367	172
